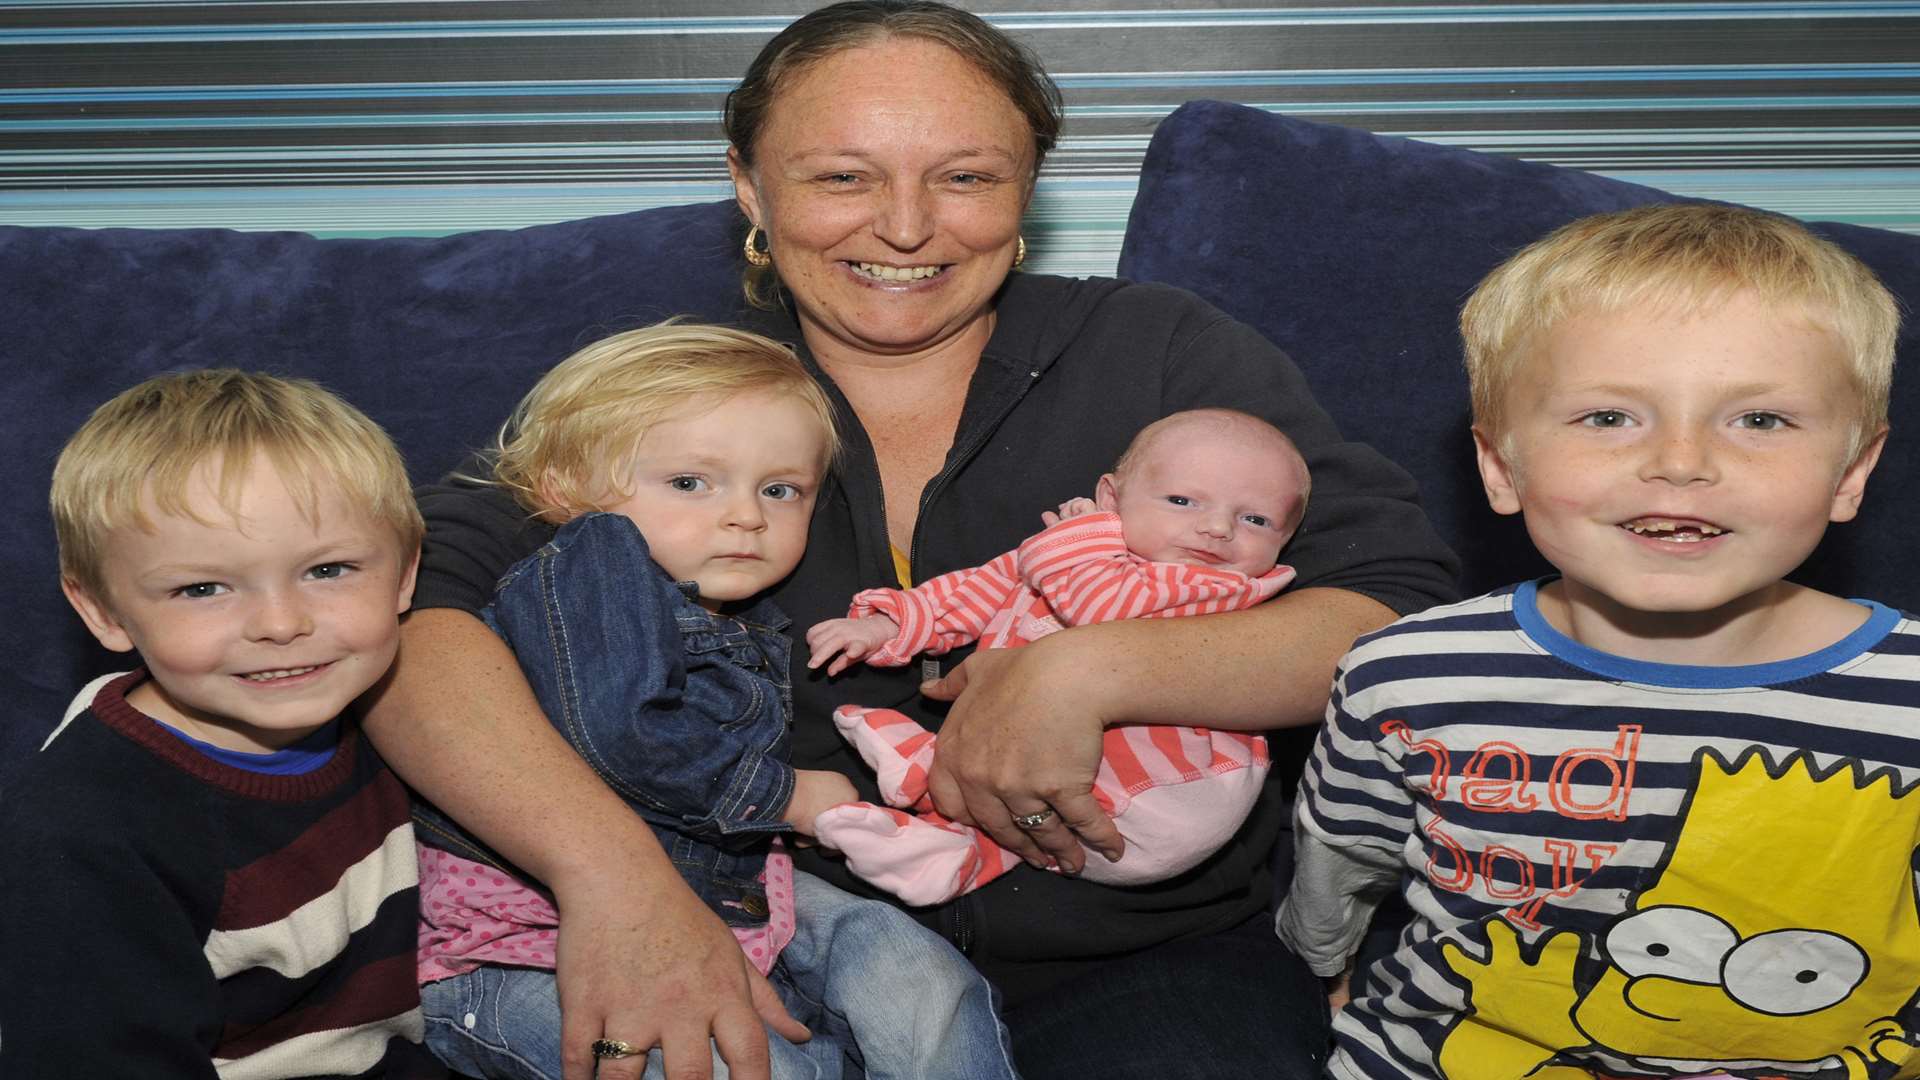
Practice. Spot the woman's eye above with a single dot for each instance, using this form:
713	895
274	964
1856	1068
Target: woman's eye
330	571
1179	500
782	492
1761	421
1606	418
687	483
200	590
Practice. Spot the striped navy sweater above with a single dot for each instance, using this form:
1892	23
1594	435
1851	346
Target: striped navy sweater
162	914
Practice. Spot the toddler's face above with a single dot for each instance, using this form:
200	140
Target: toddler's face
1678	463
260	630
724	492
1198	496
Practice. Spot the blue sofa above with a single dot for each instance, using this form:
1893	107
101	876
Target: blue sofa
1351	251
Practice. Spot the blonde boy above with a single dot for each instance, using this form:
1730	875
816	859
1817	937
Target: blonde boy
1655	815
207	870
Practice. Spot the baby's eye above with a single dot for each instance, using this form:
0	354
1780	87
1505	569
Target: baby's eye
783	492
1761	421
689	484
1179	500
332	571
1606	418
1258	521
200	590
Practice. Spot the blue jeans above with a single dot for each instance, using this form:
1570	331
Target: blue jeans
877	989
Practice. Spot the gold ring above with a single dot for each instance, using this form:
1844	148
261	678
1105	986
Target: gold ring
609	1049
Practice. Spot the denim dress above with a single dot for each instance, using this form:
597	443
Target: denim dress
682	712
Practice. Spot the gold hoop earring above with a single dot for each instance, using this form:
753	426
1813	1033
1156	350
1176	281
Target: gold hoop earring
1020	252
756	255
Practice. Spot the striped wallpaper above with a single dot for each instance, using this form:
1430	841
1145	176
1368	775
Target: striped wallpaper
368	117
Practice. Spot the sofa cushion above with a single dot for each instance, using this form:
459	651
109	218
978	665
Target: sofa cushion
436	339
1354	252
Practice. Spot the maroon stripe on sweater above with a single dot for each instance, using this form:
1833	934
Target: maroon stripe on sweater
379	991
270	888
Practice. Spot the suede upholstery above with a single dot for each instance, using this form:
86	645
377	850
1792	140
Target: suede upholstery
1354	253
1351	251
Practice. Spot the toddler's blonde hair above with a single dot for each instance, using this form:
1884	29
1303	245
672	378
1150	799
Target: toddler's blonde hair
148	441
569	445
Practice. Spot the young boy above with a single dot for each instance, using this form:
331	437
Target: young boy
684	461
207	871
1654	816
1191	520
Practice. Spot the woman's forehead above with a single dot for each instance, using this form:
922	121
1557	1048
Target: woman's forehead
910	84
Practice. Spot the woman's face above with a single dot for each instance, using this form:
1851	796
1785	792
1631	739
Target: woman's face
890	180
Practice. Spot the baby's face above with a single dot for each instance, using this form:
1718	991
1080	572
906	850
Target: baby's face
1199	496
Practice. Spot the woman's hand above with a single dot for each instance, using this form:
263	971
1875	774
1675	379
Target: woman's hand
1024	736
657	968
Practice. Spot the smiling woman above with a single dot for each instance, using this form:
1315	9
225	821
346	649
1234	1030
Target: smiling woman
883	152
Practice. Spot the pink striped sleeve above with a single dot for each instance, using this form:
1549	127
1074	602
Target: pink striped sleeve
939	613
1083	570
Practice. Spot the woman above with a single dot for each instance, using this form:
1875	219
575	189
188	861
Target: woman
883	152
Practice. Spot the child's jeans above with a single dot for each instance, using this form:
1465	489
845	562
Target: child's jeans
870	982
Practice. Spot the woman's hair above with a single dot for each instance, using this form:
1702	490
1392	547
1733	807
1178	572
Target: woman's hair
1684	259
145	446
851	24
569	445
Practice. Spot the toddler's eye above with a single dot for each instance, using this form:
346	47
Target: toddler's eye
1258	521
331	571
783	492
687	484
200	590
1761	421
1179	500
1606	418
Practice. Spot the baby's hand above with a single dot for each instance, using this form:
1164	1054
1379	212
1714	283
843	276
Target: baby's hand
848	641
814	792
1069	510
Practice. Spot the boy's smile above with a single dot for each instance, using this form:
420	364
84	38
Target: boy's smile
1675	467
257	631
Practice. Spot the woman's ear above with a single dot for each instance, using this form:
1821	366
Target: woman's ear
1496	473
744	193
1106	493
100	620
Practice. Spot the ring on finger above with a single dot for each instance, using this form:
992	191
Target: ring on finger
612	1049
1033	820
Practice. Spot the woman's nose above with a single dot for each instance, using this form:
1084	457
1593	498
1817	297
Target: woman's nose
905	217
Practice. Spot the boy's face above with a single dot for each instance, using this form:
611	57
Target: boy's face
257	629
1197	496
724	493
1673	463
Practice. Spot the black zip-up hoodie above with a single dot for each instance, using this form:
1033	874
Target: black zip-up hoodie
1074	369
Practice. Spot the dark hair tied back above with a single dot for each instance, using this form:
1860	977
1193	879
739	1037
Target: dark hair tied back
854	23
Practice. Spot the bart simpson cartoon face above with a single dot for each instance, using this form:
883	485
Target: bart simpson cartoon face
1783	926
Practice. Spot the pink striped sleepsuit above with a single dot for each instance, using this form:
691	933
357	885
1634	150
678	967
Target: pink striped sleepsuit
1176	793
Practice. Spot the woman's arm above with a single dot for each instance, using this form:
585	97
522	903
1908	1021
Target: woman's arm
640	957
1025	726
